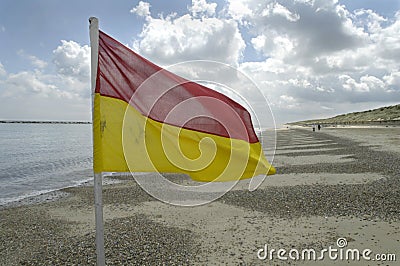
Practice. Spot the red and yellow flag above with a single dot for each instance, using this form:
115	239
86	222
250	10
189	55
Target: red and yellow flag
147	119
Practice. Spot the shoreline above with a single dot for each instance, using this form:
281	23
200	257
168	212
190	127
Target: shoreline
50	195
308	203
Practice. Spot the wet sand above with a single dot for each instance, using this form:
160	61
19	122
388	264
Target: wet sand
336	183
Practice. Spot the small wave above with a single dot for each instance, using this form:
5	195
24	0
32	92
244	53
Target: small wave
45	194
5	201
36	194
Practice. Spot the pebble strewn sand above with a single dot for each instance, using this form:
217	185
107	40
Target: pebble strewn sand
333	187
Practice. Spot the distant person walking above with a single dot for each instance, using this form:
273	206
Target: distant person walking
313	127
319	127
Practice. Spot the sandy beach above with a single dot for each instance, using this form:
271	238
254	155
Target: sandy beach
330	184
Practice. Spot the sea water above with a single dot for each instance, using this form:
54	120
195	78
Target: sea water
39	158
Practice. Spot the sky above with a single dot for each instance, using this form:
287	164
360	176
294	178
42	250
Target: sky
309	58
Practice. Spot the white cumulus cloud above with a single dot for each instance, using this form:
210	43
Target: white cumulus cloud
36	62
277	9
72	60
142	9
180	38
201	7
61	95
239	9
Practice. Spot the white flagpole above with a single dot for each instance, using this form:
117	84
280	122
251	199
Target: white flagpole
98	184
